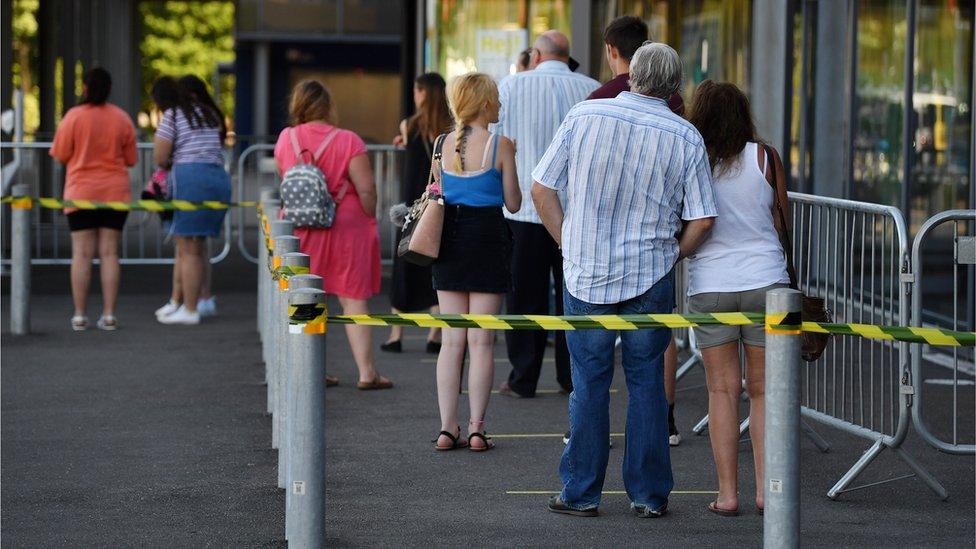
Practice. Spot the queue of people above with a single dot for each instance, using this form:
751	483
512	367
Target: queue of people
607	232
542	195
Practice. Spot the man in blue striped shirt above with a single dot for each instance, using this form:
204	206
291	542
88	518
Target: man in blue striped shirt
632	171
534	103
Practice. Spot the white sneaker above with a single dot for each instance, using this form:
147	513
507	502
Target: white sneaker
207	307
168	309
181	316
674	440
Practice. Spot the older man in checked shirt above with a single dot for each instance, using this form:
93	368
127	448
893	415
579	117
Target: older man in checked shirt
632	171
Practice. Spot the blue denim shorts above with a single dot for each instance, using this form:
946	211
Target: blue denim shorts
197	182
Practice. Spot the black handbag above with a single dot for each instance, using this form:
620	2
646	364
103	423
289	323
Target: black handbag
813	309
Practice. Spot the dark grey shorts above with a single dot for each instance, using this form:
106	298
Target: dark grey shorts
749	301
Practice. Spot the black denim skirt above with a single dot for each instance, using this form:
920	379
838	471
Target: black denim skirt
476	251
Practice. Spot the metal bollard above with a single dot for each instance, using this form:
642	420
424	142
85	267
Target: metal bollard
269	200
305	517
296	282
277	228
781	522
294	260
282	245
20	263
271	210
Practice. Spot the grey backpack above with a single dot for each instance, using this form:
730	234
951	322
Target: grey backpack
305	196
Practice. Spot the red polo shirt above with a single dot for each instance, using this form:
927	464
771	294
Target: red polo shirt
620	84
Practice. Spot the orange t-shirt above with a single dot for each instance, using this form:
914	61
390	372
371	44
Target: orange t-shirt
97	143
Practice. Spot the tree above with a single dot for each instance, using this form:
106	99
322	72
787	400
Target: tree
187	38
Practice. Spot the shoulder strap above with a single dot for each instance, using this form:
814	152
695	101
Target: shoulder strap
293	135
436	158
325	143
484	156
784	235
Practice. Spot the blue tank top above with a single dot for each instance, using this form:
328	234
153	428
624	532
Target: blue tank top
481	189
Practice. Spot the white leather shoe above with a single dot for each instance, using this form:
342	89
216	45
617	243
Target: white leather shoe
181	316
168	309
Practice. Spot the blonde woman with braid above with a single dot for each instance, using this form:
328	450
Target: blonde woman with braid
471	275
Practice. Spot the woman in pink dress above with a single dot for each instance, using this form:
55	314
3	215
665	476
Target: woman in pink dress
346	255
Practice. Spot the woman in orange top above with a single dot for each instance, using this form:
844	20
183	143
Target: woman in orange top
97	142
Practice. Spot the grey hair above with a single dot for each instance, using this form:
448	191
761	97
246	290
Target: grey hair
655	70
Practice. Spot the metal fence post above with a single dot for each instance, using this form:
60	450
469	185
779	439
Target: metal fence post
305	518
20	263
296	282
781	493
292	260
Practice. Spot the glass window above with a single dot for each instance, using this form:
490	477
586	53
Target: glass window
943	108
287	15
881	35
371	17
711	36
487	35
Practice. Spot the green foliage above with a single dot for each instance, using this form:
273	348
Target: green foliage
25	63
187	38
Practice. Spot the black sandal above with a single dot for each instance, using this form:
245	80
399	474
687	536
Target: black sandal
487	440
456	441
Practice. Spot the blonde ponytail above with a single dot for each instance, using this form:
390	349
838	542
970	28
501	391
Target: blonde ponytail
468	95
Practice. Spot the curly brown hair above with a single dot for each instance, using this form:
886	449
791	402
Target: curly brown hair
721	113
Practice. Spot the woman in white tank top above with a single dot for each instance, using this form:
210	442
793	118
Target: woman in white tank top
731	271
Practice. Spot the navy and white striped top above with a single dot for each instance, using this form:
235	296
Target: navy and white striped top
631	170
534	103
190	144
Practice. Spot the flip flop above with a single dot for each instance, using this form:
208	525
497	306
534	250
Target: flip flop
456	441
331	381
378	383
714	508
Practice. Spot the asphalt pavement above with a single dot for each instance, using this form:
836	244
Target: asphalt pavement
156	436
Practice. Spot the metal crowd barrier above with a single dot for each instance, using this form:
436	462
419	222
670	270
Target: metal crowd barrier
144	240
947	436
256	169
855	255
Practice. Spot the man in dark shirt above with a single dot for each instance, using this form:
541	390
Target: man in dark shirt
622	37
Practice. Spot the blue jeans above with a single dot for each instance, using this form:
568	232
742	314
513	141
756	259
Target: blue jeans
647	458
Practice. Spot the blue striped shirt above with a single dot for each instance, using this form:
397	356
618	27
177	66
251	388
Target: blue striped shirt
631	170
201	144
534	103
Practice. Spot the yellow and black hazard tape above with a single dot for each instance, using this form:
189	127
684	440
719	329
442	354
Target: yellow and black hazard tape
283	273
775	323
307	319
27	202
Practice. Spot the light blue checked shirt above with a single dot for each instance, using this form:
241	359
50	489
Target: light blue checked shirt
631	170
534	103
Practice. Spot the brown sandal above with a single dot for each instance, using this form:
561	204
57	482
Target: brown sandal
713	507
331	381
378	383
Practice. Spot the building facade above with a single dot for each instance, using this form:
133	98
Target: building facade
872	99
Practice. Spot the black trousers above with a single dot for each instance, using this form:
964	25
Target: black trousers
535	258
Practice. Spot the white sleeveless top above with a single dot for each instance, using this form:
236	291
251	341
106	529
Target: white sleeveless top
743	250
